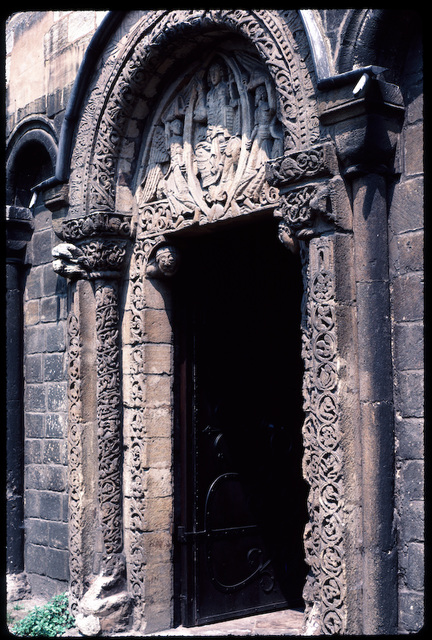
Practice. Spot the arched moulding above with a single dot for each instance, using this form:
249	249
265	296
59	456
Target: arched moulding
133	77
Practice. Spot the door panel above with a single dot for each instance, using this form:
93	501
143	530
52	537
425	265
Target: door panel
243	501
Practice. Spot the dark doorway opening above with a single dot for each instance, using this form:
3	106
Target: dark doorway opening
240	496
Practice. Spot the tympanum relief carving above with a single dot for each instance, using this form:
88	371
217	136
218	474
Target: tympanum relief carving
204	158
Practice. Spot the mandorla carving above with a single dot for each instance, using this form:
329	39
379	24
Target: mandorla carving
205	158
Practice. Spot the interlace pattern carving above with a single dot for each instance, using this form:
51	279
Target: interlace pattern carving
109	410
75	457
322	463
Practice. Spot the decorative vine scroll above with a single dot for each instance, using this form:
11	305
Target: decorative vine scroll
322	463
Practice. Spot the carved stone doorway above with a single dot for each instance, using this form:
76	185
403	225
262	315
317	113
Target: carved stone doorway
240	496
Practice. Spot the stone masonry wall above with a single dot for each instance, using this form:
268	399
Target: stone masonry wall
45	417
406	277
43	52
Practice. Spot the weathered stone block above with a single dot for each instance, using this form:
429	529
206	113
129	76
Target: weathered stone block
35	396
158	546
41	247
49	309
406	253
33	368
35	339
158	358
159	483
54	452
412	520
58	535
412	480
52	283
54	367
55	337
406	208
411	611
415	567
409	346
157	294
410	436
158	514
413	150
34	425
158	453
56	396
50	505
157	327
37	531
55	425
33	286
32	503
411	394
157	390
33	451
36	558
408	297
57	564
31	312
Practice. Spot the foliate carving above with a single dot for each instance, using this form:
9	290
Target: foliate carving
109	411
205	159
75	457
322	464
302	165
92	259
266	30
304	212
96	224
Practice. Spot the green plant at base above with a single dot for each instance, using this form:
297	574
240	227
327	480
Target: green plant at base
49	620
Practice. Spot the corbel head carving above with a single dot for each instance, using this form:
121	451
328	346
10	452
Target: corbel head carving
165	262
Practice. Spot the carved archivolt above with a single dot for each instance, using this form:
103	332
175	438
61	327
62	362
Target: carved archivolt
127	76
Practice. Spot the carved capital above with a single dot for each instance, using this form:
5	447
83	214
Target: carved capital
95	246
305	212
366	120
92	259
298	166
99	223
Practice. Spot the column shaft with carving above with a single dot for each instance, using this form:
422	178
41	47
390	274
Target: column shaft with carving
100	261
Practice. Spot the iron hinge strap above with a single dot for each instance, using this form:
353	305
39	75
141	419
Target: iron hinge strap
183	536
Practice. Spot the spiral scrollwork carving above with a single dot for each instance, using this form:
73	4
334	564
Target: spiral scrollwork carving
322	464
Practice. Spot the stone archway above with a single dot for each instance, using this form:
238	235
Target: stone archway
130	392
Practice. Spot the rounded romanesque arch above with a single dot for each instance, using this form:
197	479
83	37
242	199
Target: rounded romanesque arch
133	76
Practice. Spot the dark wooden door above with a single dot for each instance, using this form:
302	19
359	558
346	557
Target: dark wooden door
242	506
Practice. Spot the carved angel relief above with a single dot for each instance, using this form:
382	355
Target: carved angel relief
204	159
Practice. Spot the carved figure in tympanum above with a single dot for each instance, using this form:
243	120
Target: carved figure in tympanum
204	157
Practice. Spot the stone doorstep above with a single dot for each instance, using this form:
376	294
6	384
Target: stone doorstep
278	623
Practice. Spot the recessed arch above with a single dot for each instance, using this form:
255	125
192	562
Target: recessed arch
136	74
30	158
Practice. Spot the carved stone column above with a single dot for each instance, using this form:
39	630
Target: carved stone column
315	215
99	260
